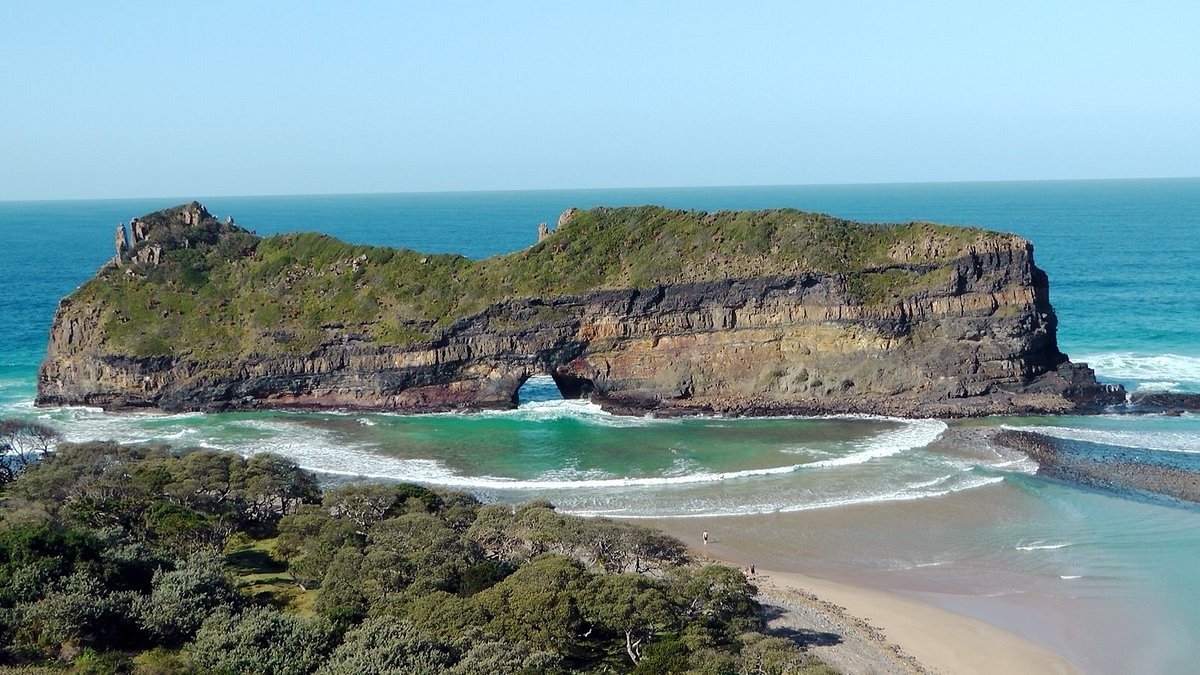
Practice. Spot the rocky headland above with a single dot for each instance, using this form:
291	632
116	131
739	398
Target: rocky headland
643	309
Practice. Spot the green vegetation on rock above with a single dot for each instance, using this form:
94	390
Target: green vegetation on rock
218	291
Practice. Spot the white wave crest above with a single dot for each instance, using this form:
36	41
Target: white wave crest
20	406
1158	368
1041	545
80	424
907	493
801	450
363	462
581	410
321	450
1025	465
499	483
1163	441
1159	386
913	435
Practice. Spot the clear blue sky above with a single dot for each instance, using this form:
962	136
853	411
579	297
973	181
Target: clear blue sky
127	99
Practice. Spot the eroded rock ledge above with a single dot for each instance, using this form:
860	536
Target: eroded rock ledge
643	309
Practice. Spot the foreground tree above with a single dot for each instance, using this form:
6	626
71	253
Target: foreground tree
631	606
538	604
23	442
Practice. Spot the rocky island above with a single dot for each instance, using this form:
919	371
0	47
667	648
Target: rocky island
642	309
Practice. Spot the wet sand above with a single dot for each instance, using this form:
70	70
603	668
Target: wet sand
946	577
938	640
918	571
868	630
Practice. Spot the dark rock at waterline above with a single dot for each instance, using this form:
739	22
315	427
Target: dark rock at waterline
1171	403
1123	471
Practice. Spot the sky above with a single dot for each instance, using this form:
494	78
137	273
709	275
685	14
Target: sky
150	99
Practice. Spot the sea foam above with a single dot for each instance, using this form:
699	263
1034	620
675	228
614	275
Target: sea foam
581	410
1168	369
1163	441
912	435
1041	546
907	493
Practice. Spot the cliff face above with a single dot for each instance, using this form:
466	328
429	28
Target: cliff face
913	320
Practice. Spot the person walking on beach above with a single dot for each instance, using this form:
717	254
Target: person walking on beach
706	537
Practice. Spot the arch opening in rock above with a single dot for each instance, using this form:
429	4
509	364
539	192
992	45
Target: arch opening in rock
537	388
552	387
572	386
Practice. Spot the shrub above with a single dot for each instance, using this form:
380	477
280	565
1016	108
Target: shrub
261	640
387	645
182	598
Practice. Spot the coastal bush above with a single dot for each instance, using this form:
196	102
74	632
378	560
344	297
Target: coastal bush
631	607
174	502
79	612
110	548
161	661
92	662
669	656
387	645
261	640
492	656
538	604
340	597
778	656
181	599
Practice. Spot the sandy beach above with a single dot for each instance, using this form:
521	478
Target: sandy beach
887	628
860	629
983	580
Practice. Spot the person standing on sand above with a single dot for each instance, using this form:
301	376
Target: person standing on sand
706	537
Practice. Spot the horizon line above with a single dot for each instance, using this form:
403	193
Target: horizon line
609	188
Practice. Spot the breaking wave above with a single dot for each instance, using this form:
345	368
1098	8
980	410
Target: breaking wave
1171	370
581	410
913	435
1040	546
907	493
677	490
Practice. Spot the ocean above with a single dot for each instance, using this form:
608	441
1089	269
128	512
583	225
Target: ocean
1109	581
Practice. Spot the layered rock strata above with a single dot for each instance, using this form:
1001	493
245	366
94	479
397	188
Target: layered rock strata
966	331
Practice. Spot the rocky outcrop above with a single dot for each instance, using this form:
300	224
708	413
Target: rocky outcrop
1129	472
971	333
120	243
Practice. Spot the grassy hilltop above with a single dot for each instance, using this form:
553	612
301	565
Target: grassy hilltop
220	290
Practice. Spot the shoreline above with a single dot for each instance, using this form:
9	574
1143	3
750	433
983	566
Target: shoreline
907	635
937	638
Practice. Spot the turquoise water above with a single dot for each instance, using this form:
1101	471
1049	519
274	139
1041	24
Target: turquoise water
891	499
